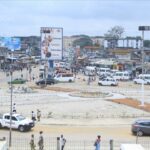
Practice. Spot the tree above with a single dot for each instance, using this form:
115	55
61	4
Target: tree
83	41
147	43
115	32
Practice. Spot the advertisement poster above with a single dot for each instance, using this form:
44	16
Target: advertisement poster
51	43
11	43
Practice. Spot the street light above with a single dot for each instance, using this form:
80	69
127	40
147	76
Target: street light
143	28
11	94
11	90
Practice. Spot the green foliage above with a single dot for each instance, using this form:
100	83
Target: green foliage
83	41
146	43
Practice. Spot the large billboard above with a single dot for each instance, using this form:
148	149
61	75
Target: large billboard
51	43
11	43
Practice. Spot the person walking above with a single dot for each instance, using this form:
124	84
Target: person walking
97	143
38	114
32	144
41	141
14	108
33	116
62	142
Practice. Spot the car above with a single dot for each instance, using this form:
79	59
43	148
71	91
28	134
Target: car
18	122
108	81
48	81
131	147
17	81
140	81
141	127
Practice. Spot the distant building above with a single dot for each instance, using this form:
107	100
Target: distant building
128	42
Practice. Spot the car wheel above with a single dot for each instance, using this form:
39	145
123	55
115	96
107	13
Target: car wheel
70	80
0	126
100	84
112	85
21	128
140	133
135	82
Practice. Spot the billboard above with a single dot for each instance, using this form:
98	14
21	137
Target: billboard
11	43
51	43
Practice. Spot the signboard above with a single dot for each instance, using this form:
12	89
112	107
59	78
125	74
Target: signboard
11	43
51	43
144	28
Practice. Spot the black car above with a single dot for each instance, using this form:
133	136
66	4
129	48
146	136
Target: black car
47	81
141	127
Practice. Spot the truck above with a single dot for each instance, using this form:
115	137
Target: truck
19	122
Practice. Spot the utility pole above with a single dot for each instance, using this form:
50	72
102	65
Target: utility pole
143	28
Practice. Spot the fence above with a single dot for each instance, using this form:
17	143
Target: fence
50	143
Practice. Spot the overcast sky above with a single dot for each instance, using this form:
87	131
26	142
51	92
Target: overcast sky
90	17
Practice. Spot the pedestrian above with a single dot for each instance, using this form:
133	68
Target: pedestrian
41	141
62	142
97	143
33	77
33	116
38	114
32	144
14	108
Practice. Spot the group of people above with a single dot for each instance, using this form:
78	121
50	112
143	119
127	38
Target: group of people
62	142
33	116
40	142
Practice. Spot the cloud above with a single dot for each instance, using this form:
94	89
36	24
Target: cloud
92	17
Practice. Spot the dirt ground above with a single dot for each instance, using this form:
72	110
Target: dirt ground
133	103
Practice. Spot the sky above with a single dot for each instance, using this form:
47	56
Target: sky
90	17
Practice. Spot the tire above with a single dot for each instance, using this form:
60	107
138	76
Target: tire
140	133
21	128
100	84
0	126
135	82
112	85
70	80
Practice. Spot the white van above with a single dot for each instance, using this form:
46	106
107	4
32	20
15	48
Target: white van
131	147
64	77
90	70
122	75
103	71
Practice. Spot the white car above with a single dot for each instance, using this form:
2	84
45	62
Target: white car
108	81
140	81
18	122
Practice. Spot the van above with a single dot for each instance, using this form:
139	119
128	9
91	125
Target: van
122	75
64	77
131	147
90	70
103	71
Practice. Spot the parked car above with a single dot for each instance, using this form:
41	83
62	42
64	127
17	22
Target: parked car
131	147
17	81
108	81
18	122
141	127
48	81
140	80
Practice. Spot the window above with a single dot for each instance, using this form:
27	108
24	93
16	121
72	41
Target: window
14	118
7	117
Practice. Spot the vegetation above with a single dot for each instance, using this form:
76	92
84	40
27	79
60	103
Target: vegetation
83	41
